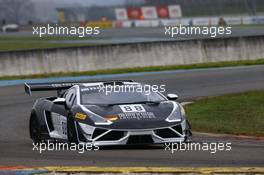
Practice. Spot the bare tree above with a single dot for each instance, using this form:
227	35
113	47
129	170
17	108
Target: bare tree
16	10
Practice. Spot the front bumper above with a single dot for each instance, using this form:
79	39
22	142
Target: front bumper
103	137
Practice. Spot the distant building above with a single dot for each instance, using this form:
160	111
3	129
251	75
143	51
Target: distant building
81	14
187	8
213	7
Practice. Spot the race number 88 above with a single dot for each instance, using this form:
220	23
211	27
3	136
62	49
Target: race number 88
132	108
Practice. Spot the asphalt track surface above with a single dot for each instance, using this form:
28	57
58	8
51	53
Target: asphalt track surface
16	147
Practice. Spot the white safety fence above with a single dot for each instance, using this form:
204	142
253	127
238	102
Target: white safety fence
198	21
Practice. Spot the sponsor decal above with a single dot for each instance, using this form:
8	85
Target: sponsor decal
80	116
59	85
92	88
137	116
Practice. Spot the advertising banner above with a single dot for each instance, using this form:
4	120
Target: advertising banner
186	21
170	22
149	12
213	21
258	19
121	14
247	20
134	13
233	20
175	11
201	21
163	12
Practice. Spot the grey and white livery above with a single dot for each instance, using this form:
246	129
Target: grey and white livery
82	112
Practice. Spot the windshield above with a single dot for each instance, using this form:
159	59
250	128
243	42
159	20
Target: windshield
94	96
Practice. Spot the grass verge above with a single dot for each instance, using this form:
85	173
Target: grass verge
19	46
18	43
142	69
240	114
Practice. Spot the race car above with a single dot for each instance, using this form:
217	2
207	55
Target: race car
82	112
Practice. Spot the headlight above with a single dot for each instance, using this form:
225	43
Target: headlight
98	120
177	113
182	111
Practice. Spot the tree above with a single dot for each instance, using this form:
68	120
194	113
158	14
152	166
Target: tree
16	10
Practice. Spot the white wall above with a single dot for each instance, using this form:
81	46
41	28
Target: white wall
130	55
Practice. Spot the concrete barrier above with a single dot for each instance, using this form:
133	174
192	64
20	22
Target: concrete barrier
130	55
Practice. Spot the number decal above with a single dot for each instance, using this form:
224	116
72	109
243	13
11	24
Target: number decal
128	108
138	108
132	108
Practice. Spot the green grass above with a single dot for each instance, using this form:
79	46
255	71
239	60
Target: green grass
17	43
241	114
17	46
37	38
247	25
142	69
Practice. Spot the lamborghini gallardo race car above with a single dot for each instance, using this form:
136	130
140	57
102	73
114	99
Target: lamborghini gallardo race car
83	113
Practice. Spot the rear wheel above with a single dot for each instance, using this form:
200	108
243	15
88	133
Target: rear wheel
34	129
71	130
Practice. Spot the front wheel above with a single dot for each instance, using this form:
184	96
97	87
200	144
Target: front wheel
71	130
34	129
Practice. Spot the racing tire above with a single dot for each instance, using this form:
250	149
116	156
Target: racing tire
71	130
34	129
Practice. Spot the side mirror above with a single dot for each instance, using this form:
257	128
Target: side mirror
172	97
60	101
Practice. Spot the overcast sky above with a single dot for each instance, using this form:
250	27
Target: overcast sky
46	9
97	2
86	2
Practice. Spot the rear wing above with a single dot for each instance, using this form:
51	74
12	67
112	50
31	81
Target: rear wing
47	87
59	86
